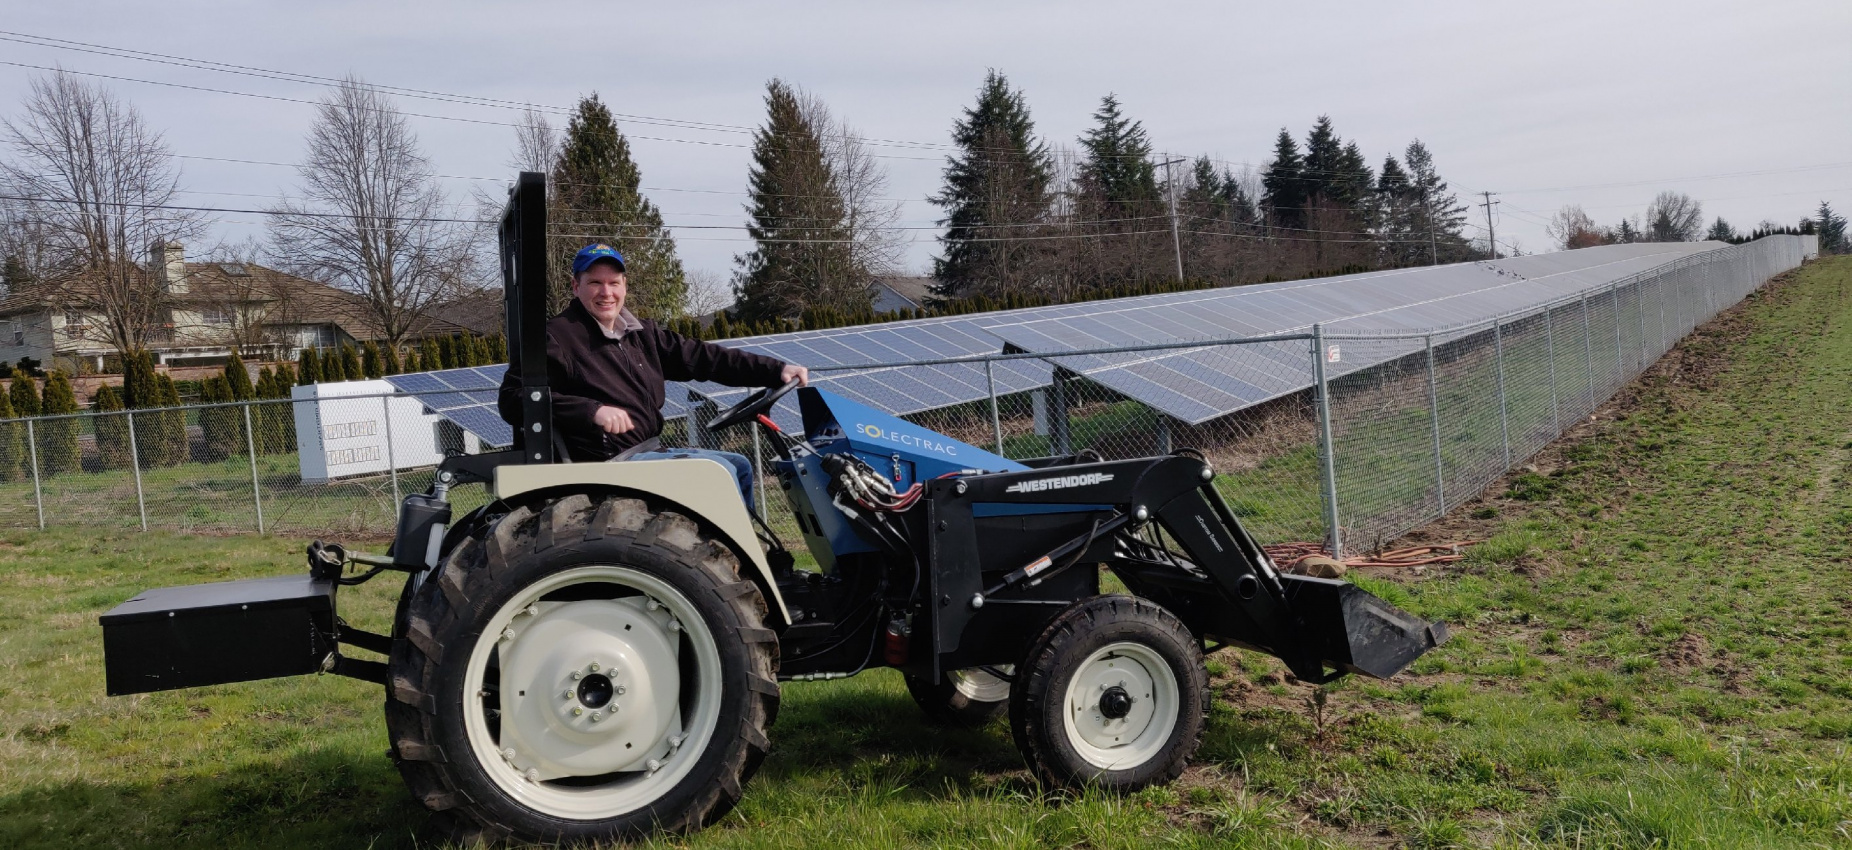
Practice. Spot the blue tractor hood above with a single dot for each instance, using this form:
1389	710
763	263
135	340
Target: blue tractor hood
901	449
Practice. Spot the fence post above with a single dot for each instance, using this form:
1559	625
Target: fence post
38	495
1504	415
1588	350
392	466
1665	333
141	501
1620	350
1440	467
1328	470
1639	309
250	447
1549	341
996	422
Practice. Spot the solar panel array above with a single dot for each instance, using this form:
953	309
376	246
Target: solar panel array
1189	384
898	391
1197	384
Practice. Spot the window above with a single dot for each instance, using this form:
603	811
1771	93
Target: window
19	334
217	315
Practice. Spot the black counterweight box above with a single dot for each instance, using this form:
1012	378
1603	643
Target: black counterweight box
210	634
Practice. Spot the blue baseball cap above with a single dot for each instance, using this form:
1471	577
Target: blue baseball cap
595	253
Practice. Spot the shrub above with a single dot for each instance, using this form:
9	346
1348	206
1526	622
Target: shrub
238	379
221	428
12	442
371	363
350	363
309	367
58	450
24	394
112	431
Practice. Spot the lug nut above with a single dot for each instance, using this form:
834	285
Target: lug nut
594	667
675	625
576	674
653	765
508	753
597	717
507	634
620	690
567	694
577	711
533	775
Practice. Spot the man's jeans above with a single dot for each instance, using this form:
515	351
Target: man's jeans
740	466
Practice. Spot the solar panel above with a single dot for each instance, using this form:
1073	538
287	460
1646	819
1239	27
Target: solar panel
473	404
1198	384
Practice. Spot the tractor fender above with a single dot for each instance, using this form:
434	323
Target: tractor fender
703	489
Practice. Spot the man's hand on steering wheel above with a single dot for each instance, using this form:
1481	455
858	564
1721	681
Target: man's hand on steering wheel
762	401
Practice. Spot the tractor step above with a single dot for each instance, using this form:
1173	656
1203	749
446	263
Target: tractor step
212	634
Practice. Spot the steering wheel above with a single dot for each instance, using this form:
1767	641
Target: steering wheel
749	408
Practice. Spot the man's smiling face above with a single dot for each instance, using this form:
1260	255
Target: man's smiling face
601	289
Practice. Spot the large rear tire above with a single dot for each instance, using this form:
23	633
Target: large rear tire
1113	694
593	671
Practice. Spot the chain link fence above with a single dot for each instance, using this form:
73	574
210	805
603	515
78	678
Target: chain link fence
1395	430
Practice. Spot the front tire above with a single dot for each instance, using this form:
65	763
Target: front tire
1114	694
594	671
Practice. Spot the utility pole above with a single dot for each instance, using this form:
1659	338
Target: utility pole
1491	236
1427	207
1176	240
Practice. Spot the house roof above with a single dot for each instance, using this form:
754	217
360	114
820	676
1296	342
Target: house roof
304	301
901	293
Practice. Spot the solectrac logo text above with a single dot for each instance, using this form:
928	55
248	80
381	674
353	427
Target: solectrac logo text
915	441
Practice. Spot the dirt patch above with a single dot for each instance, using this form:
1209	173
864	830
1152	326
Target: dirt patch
1690	652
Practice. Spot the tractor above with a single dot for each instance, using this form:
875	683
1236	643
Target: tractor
597	652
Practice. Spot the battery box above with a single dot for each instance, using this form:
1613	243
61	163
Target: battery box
211	634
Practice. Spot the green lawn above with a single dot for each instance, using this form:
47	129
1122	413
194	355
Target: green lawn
1651	651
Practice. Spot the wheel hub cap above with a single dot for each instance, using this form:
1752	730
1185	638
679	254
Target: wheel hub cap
589	687
1115	704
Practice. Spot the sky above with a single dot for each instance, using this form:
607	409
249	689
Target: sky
1743	106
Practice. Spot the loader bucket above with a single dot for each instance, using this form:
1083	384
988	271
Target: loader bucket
1357	631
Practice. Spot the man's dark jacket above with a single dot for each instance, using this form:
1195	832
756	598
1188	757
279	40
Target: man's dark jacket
588	370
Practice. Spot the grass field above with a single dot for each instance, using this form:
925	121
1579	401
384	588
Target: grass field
1650	651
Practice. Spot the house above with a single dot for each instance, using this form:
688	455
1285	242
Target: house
893	294
213	308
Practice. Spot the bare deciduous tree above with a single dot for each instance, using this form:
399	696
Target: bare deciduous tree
708	293
536	143
868	218
1674	217
1572	228
371	218
97	180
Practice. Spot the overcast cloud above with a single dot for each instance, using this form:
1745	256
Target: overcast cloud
1619	99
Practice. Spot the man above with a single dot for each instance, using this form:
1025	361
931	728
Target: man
606	369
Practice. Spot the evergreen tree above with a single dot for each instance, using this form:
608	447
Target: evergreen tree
138	385
13	453
112	431
350	363
798	221
447	353
1324	162
498	348
309	367
1440	216
996	183
412	363
25	395
332	371
371	364
392	366
170	441
1285	184
1831	228
597	187
1398	218
221	428
430	359
58	449
238	379
1117	160
1721	231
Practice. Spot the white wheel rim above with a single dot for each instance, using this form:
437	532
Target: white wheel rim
567	745
1118	743
980	686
